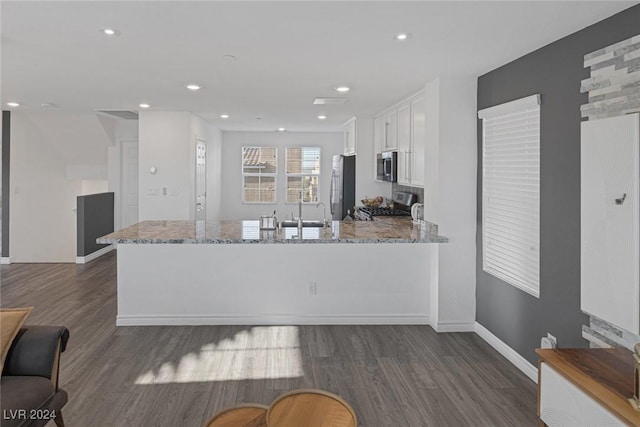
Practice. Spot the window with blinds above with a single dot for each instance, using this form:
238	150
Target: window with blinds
302	167
511	192
259	170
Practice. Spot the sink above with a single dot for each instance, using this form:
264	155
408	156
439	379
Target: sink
308	223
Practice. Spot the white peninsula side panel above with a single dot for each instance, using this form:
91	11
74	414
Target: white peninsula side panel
253	284
610	216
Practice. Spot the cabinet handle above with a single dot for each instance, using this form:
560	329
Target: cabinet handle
406	165
386	134
621	199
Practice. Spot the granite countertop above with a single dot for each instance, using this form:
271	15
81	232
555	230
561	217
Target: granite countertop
382	230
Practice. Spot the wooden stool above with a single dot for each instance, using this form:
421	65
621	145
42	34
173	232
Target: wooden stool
310	408
248	415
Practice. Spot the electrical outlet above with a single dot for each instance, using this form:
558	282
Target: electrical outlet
312	288
554	340
549	341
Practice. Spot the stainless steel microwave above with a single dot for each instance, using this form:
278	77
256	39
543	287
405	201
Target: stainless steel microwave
387	166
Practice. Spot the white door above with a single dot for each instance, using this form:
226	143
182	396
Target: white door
201	180
609	220
129	184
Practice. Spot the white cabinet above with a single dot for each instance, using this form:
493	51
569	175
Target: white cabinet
418	140
562	404
390	130
404	143
610	215
411	141
350	136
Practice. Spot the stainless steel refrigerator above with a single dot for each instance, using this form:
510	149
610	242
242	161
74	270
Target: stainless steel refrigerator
343	186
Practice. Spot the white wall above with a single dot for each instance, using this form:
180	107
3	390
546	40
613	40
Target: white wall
43	221
164	142
366	186
450	193
167	141
330	143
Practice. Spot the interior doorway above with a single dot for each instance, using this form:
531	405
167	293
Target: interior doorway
128	183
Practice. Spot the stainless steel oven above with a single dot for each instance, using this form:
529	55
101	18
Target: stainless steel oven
387	166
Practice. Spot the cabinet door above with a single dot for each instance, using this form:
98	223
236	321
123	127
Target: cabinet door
562	404
609	214
350	137
404	143
418	140
378	142
391	130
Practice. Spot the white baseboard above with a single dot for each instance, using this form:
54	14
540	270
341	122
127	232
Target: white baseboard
94	255
5	260
195	320
512	356
453	326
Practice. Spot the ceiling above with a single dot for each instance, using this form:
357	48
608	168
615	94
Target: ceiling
287	53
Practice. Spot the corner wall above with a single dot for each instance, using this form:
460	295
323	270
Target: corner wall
43	200
449	197
555	71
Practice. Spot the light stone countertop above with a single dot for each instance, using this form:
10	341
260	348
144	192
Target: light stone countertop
381	230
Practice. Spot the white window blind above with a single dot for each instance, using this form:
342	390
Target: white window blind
511	192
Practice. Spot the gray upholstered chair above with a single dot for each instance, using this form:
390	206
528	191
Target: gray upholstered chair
29	395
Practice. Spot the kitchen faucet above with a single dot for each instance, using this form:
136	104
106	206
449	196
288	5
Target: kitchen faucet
300	214
324	214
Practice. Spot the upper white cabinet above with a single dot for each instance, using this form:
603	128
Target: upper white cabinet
385	131
404	143
401	128
350	136
418	140
610	216
411	141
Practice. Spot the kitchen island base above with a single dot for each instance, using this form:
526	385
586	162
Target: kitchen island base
263	284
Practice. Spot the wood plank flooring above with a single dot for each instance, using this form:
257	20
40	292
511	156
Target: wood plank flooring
180	376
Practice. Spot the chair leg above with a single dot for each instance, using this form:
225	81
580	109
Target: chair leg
59	420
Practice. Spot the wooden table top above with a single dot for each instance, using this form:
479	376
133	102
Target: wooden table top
310	408
606	375
241	416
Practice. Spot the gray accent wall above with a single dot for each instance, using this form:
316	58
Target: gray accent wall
95	214
6	151
554	71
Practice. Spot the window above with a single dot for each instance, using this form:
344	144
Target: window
303	173
259	170
511	192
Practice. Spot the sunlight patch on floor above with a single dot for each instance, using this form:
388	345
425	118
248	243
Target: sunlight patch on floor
264	352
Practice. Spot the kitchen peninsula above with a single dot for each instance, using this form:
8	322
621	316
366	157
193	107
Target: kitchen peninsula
231	272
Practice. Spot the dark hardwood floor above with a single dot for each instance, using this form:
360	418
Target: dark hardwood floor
181	375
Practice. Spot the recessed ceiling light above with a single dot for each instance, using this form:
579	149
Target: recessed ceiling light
343	89
281	129
13	104
402	36
322	117
193	86
228	58
224	116
145	105
49	105
110	31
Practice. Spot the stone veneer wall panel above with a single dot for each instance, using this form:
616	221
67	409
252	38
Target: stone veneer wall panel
614	85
